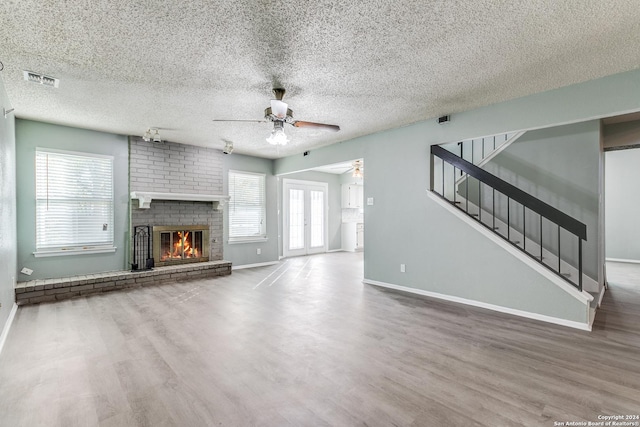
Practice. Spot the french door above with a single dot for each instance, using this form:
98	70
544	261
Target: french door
305	217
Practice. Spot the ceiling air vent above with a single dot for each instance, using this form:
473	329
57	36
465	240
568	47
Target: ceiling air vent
30	76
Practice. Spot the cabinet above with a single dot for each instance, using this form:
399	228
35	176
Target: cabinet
352	196
349	236
360	235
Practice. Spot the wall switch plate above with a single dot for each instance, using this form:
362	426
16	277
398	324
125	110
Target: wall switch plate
402	268
369	201
258	251
26	271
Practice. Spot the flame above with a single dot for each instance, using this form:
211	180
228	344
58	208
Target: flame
180	247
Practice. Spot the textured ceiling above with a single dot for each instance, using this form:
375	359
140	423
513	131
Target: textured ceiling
364	65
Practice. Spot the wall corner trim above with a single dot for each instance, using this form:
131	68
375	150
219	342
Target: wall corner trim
493	307
7	326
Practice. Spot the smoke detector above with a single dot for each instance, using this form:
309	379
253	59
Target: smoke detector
30	76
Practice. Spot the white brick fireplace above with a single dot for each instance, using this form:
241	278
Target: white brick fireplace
177	185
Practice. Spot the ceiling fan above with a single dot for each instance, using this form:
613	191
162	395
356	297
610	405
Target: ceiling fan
279	113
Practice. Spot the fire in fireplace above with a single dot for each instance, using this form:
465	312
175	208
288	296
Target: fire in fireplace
180	244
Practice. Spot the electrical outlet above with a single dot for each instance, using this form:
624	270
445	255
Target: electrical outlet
369	201
26	271
402	268
258	251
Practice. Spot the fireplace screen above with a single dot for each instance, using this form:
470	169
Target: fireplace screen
177	245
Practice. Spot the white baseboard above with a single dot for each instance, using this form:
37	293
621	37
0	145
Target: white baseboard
515	312
630	261
7	326
260	264
335	250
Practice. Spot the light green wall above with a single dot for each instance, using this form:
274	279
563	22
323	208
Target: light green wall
31	134
622	204
8	259
334	201
442	254
246	253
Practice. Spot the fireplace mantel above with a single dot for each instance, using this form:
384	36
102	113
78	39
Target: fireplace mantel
146	197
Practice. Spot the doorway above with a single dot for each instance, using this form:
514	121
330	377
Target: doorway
305	217
621	141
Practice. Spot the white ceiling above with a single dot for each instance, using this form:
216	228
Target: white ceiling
366	65
338	168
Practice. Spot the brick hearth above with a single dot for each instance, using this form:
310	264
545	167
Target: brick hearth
45	290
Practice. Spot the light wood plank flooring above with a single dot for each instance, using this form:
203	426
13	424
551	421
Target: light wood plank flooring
305	343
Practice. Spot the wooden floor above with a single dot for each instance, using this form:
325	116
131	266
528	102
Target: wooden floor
305	343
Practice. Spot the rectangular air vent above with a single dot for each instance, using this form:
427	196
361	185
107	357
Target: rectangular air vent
30	76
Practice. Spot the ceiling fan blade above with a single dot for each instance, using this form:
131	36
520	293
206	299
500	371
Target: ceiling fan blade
233	120
301	124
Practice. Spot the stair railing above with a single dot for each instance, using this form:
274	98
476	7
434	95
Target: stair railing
512	193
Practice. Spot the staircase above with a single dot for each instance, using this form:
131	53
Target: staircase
547	235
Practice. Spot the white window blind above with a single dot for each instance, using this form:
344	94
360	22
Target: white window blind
247	206
74	201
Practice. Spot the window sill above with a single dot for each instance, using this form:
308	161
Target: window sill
238	240
65	252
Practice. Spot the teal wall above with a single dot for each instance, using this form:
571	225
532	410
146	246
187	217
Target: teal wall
246	253
334	201
442	254
622	204
8	259
31	134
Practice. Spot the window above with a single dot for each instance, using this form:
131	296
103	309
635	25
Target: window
247	209
74	203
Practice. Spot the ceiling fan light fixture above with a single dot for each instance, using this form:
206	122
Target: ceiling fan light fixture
357	169
278	137
228	147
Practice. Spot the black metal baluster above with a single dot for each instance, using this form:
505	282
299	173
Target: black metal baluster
443	180
540	238
508	218
579	264
466	194
493	208
524	228
559	272
454	185
479	201
483	148
494	142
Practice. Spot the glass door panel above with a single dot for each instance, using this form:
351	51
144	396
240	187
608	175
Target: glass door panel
305	217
